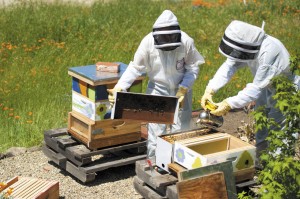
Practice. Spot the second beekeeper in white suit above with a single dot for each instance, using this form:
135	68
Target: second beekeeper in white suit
247	45
170	59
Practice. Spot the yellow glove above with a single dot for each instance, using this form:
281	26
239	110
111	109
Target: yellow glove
111	95
222	109
207	96
180	94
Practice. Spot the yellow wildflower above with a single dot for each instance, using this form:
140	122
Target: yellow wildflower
10	190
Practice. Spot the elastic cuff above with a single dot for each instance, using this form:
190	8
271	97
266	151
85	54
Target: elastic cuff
209	90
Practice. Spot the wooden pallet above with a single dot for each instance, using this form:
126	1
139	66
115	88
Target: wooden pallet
151	184
25	187
83	163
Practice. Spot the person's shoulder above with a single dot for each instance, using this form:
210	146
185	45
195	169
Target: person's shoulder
186	39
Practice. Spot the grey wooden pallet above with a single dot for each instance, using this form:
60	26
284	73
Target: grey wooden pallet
83	163
151	184
154	185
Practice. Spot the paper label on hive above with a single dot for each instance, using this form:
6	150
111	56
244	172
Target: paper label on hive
93	110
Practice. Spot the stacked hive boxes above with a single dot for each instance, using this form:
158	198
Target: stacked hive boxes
89	120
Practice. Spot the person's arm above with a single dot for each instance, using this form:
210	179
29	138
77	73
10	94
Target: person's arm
223	75
221	78
252	91
135	67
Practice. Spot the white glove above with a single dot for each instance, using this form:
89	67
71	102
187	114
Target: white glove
180	94
222	109
208	93
111	95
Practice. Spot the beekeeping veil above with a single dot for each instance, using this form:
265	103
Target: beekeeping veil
166	32
241	41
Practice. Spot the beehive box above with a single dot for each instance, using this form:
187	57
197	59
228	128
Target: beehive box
25	187
203	150
89	90
89	121
100	134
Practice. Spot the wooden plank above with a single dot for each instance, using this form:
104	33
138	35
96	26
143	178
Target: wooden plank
145	190
225	167
204	187
79	174
244	174
176	168
57	158
81	152
145	107
54	144
113	162
248	183
108	67
172	192
56	132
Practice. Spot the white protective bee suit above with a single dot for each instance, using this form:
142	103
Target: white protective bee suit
247	45
171	60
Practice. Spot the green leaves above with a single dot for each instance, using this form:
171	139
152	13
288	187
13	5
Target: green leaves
280	177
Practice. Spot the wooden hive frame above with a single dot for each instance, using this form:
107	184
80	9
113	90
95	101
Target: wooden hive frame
25	187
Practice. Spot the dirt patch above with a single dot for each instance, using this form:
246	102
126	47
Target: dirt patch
234	120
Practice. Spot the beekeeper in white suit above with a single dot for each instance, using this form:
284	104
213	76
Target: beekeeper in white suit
247	45
171	61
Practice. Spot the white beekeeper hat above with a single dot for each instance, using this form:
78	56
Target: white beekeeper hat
166	31
241	41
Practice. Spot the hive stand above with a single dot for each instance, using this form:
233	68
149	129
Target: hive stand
83	163
179	183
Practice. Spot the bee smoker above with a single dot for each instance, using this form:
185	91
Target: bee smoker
206	118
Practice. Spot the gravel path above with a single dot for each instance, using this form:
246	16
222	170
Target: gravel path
114	183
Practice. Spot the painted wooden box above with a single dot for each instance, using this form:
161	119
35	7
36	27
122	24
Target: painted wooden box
89	90
89	121
203	150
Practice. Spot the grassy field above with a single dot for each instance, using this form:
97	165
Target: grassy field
39	42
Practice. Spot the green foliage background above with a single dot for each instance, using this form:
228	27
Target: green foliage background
39	42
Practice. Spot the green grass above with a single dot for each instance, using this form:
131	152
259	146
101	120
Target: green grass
39	42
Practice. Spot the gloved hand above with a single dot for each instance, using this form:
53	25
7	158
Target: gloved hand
180	94
111	95
208	93
222	109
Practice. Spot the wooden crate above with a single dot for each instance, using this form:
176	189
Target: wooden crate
25	187
202	150
105	133
215	148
